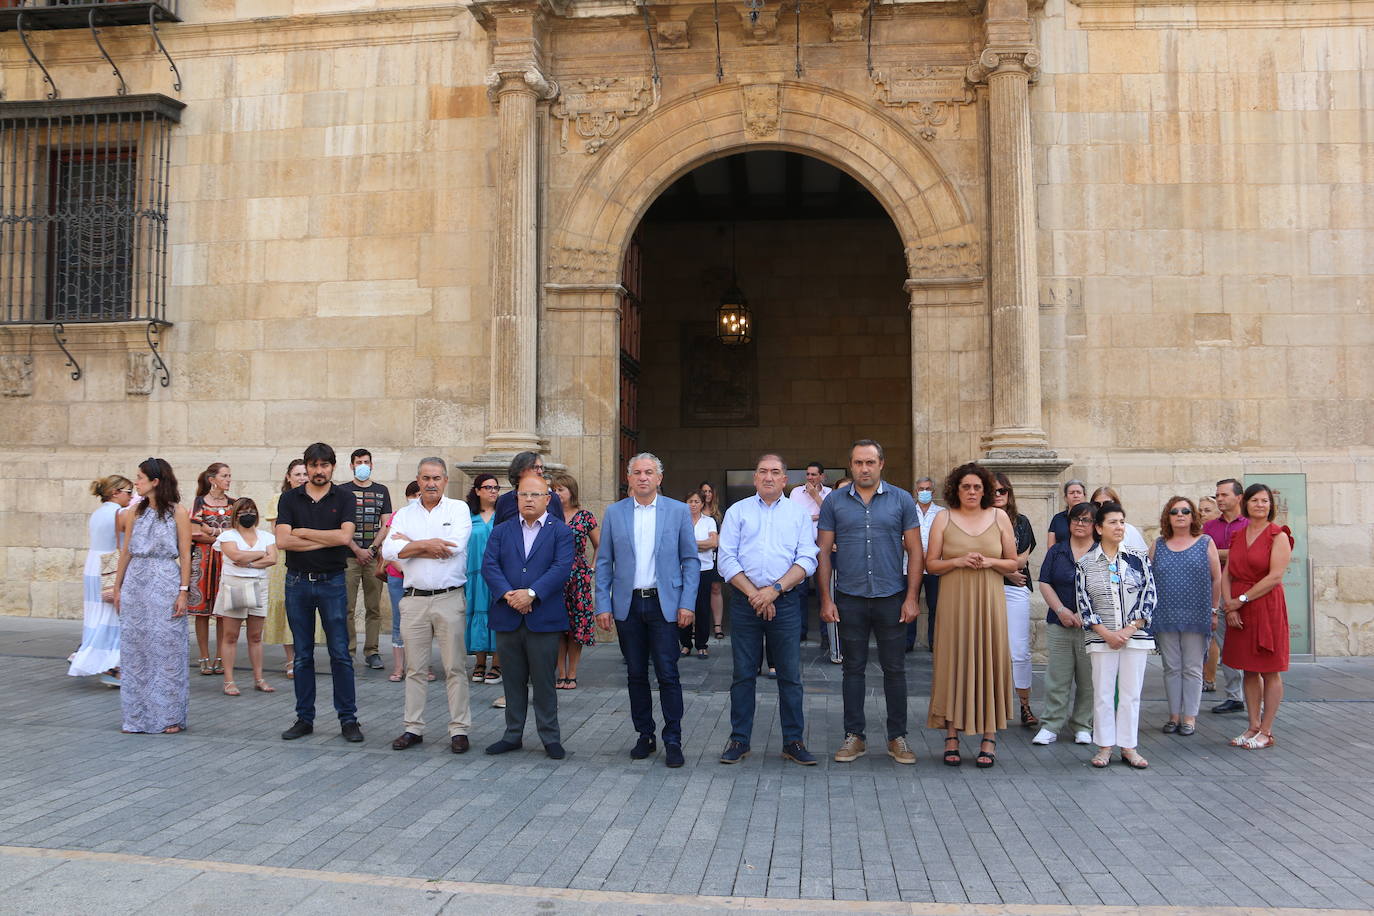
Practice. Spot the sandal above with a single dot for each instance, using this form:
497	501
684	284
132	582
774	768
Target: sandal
395	677
720	634
219	665
262	686
685	651
206	669
1260	742
479	673
571	682
494	674
1028	718
1133	760
702	653
952	756
1245	739
1102	758
559	683
983	755
429	676
173	730
230	689
291	671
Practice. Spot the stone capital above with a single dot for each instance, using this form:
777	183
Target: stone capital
1004	60
527	78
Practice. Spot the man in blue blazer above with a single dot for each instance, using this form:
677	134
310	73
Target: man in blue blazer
646	577
526	564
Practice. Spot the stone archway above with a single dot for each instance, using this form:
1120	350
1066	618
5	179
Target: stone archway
592	219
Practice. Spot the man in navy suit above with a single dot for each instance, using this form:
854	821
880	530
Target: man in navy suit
527	562
646	577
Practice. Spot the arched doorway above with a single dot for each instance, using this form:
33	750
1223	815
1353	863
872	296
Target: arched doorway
822	267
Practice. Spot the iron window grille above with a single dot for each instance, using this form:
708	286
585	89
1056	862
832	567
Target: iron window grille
84	191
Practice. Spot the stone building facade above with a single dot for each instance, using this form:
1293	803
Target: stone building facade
1126	240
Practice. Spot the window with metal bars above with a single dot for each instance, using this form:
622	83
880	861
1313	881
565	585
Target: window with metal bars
84	189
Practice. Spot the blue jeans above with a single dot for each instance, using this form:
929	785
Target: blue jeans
396	589
748	633
930	584
329	597
644	634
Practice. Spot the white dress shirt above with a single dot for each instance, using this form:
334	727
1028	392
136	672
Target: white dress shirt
450	520
801	497
646	527
927	514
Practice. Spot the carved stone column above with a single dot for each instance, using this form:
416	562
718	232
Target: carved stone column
1016	429
512	414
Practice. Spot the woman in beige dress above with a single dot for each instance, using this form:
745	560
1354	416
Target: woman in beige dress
276	632
971	686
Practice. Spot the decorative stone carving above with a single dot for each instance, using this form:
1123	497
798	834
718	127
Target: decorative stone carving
761	110
138	373
991	60
583	265
760	25
673	35
595	107
16	375
846	24
930	95
952	260
543	88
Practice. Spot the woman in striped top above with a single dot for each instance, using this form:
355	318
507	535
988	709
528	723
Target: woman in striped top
1115	591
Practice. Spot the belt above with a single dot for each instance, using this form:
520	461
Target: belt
429	592
646	593
319	576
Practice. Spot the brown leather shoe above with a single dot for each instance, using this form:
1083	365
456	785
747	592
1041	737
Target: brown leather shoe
852	749
900	751
459	744
407	739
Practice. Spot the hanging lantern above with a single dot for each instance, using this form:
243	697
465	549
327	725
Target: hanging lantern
734	321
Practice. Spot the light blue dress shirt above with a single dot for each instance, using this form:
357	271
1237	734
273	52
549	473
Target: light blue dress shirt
764	541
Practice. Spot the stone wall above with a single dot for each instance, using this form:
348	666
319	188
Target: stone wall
1206	230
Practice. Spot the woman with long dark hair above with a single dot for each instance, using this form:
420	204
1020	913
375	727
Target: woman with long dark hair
276	632
482	501
1018	589
150	591
209	517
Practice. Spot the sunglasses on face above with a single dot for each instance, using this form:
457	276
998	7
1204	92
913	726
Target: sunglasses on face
1001	491
1183	510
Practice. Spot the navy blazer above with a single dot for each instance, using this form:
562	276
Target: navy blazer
546	570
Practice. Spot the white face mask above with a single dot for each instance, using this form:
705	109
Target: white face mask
925	497
363	471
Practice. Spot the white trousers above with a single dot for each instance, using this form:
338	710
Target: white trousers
1118	676
1019	635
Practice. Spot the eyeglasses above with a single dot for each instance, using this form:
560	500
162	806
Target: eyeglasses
1001	491
1181	510
533	495
489	486
1081	520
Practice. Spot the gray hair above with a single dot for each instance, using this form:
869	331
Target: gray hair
437	462
781	460
644	456
921	480
1075	483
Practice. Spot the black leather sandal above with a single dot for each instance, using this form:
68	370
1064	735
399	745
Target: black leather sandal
986	759
952	755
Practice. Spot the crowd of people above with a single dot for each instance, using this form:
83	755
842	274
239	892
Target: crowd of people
512	586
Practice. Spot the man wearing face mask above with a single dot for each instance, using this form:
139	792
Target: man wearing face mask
373	515
930	583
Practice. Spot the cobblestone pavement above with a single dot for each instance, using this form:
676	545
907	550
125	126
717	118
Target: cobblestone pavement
1205	826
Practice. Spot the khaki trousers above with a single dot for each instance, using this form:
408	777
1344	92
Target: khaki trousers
441	618
372	604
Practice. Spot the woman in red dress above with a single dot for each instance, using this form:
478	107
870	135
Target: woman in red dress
1257	614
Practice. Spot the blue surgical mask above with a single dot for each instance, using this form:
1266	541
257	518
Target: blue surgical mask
363	471
924	497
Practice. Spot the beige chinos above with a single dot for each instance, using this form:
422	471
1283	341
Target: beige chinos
443	619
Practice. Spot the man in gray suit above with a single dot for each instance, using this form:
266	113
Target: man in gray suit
646	577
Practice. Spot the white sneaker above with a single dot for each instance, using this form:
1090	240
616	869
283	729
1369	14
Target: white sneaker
1044	736
1082	737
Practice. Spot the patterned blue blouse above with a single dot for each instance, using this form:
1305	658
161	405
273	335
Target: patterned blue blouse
1183	581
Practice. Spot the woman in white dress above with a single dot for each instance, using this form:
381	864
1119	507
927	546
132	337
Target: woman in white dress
99	652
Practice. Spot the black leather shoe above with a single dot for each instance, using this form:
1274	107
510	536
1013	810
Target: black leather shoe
645	746
503	746
734	752
407	739
796	752
299	730
672	755
459	744
555	751
353	733
1229	706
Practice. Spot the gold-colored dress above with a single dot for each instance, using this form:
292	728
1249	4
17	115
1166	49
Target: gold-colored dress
971	684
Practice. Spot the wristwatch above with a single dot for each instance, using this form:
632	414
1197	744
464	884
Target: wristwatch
532	593
183	588
1243	598
778	586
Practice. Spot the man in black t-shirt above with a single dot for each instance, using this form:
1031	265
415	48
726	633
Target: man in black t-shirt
315	524
372	516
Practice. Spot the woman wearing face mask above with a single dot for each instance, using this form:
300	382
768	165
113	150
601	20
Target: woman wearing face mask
1018	589
1075	492
276	632
1115	592
209	516
248	553
150	591
99	652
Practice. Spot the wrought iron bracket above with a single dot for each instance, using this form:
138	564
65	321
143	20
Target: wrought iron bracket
59	334
152	24
95	33
154	333
47	77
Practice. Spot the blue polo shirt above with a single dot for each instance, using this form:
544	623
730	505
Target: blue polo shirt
868	538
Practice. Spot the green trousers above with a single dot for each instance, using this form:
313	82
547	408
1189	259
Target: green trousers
1069	672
